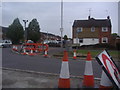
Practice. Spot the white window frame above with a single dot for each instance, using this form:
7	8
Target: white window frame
92	29
79	28
106	39
104	29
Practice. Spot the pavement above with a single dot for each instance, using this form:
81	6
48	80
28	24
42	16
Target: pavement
23	79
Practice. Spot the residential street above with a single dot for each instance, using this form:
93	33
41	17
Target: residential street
45	44
24	70
48	65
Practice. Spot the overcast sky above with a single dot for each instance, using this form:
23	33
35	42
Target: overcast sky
48	14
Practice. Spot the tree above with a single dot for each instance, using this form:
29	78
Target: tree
33	30
15	31
115	35
65	37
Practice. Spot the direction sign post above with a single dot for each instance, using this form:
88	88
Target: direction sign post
109	67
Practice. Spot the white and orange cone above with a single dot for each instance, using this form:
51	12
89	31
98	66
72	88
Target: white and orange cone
88	80
46	53
24	52
64	80
74	54
36	50
15	48
31	53
105	83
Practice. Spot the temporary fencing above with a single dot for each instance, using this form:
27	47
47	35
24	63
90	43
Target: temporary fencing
31	48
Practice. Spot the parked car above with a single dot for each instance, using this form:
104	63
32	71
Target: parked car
30	41
5	43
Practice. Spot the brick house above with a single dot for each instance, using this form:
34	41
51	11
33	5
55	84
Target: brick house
49	36
91	31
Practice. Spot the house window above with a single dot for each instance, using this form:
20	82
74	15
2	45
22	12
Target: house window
79	30
104	29
92	29
81	40
104	40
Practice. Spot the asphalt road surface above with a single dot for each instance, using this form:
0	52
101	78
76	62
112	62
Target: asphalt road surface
48	65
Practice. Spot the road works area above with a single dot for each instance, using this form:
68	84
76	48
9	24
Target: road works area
24	79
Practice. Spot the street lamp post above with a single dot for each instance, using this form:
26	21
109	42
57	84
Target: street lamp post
25	35
61	29
47	37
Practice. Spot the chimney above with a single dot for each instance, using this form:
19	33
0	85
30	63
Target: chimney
108	17
88	17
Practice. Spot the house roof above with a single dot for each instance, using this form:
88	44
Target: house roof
91	22
50	34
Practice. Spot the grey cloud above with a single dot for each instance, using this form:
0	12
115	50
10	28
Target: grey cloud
48	13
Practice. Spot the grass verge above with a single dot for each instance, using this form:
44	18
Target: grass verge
94	53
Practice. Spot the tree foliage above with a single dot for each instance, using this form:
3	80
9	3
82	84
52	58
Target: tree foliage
33	32
15	31
65	37
115	35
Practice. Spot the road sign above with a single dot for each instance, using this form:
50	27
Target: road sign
109	67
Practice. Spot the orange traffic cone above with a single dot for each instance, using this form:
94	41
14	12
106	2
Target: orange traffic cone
46	55
24	52
88	80
15	48
74	54
64	80
31	53
105	83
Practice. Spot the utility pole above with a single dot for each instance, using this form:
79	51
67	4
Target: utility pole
47	37
25	34
1	19
61	28
0	3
